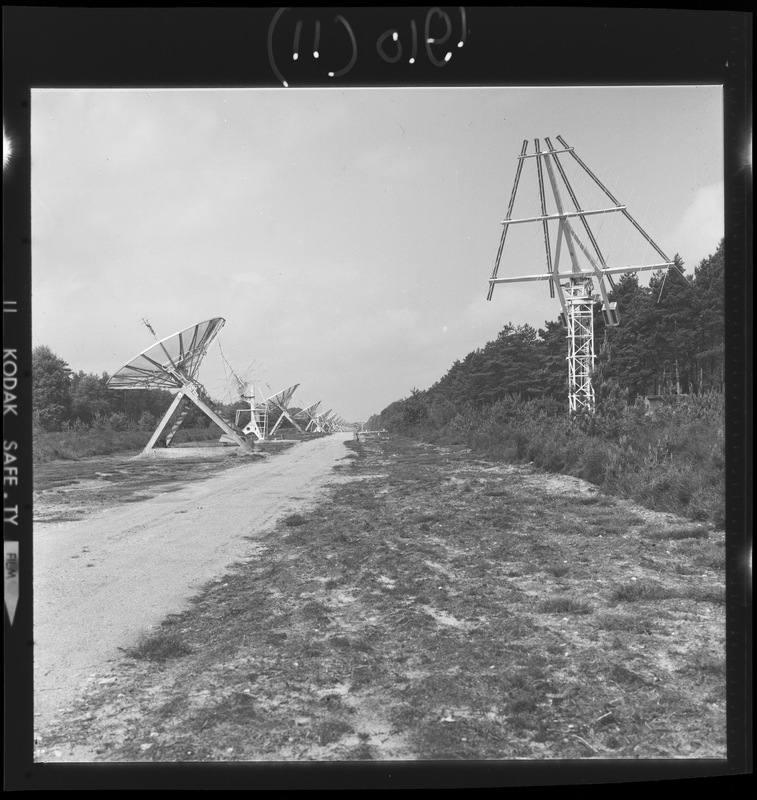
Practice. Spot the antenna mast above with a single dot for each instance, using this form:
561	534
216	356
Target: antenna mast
588	270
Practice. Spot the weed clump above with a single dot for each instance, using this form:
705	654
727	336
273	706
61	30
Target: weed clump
564	605
683	533
158	647
641	591
295	520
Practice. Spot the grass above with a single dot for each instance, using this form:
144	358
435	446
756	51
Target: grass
644	591
73	444
295	520
631	623
419	626
564	605
683	533
671	461
641	591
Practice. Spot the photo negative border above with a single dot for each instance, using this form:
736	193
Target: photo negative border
56	47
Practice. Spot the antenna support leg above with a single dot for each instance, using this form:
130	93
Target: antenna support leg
181	404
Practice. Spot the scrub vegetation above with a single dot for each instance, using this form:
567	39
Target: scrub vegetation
435	605
658	434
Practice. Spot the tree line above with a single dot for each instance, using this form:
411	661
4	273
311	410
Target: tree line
670	340
64	399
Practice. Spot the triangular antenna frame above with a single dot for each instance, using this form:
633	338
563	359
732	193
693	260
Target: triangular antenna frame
280	402
575	286
173	363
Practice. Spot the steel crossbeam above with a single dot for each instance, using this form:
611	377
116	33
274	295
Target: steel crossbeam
574	285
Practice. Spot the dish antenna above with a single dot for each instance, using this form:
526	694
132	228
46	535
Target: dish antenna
308	413
587	267
173	363
259	413
280	402
327	422
317	421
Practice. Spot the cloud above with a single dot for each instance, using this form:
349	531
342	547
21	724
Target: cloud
701	227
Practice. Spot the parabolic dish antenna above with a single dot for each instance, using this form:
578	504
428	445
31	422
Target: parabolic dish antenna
158	366
172	363
308	412
258	413
280	401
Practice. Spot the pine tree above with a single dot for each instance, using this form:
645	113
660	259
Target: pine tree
51	383
709	279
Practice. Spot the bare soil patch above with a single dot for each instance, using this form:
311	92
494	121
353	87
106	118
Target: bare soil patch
65	491
436	607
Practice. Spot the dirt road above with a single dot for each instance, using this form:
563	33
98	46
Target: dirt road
101	582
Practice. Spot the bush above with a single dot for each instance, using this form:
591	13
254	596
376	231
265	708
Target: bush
671	461
147	421
118	421
594	461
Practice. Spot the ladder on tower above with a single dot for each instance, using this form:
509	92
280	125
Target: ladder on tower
588	268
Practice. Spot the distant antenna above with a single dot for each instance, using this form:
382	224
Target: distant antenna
280	401
323	422
587	266
172	363
309	413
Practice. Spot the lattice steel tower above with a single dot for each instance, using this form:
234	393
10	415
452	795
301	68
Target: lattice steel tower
585	281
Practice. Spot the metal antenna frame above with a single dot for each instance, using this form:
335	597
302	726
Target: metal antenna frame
322	422
258	424
260	412
308	413
333	423
280	402
160	367
576	291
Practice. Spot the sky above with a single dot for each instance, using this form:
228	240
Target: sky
347	236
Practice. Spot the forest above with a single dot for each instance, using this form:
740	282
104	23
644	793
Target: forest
509	398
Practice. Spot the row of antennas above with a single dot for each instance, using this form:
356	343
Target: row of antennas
586	275
255	421
173	363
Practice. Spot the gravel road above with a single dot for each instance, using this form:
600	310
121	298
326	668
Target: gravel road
102	581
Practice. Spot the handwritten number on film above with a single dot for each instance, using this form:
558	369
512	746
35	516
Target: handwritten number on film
392	45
